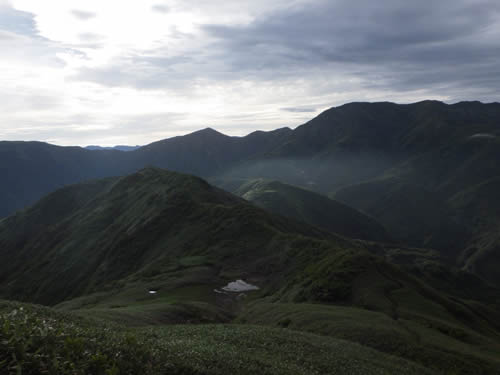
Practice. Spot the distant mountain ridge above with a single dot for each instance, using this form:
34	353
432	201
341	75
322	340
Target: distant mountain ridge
408	166
312	208
33	169
118	147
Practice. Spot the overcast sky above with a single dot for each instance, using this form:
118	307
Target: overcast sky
79	72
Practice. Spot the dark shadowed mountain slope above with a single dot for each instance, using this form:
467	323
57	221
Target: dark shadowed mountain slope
102	246
118	148
429	143
438	199
92	234
312	208
401	164
479	209
30	170
439	146
206	152
413	214
395	129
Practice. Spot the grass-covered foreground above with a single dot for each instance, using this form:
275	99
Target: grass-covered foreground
435	343
38	340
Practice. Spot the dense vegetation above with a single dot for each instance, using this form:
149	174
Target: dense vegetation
36	340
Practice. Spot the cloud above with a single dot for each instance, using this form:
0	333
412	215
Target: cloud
83	15
364	32
299	109
160	8
443	47
21	44
236	66
21	99
61	128
145	72
90	37
393	43
17	22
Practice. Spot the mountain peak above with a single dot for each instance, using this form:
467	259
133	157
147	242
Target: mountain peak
208	132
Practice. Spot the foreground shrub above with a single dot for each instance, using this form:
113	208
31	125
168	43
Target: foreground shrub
36	341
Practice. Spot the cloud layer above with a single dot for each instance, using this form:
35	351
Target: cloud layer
133	72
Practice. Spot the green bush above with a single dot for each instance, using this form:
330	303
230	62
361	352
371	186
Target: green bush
36	341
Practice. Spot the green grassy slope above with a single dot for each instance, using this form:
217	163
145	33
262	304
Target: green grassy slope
138	229
462	226
39	340
436	344
312	208
411	213
106	244
479	208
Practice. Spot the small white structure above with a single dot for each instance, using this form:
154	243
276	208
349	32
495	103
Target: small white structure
152	291
239	286
483	135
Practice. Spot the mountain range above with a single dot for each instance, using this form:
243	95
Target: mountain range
417	169
373	227
119	148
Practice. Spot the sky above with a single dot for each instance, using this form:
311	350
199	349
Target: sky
108	72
